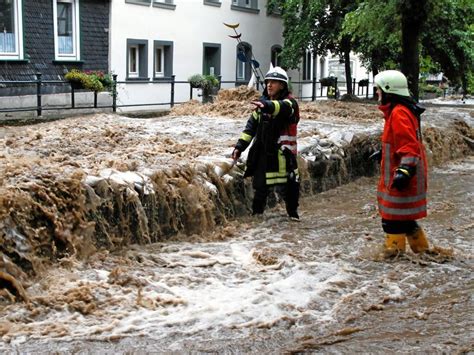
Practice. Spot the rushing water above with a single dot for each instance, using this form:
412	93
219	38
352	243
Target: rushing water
269	285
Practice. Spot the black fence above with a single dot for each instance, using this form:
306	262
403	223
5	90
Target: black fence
324	91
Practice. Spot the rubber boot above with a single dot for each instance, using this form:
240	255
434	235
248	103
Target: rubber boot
417	240
394	243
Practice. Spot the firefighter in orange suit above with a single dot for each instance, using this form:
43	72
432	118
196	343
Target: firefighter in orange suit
402	187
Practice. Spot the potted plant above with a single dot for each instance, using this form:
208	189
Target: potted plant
328	81
89	80
364	82
207	83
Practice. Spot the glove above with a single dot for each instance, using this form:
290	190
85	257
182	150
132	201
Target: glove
376	156
401	177
236	154
261	104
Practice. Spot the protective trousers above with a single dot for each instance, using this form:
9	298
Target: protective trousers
290	192
399	227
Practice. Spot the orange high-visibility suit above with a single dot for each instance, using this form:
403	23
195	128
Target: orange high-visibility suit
402	145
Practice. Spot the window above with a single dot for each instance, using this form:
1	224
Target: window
163	59
336	68
275	56
159	61
244	55
11	35
164	4
212	2
133	56
307	65
211	63
245	5
137	61
139	2
66	30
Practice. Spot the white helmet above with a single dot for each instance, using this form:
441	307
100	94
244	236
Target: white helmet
277	73
392	82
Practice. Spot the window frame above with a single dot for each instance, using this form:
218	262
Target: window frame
141	47
159	74
216	3
308	65
339	69
246	67
164	4
166	59
133	73
18	54
275	57
245	5
76	38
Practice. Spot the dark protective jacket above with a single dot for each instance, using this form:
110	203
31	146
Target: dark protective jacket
273	132
402	145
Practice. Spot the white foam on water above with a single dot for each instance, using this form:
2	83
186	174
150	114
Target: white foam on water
202	287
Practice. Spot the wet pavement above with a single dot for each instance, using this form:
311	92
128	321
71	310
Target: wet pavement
269	285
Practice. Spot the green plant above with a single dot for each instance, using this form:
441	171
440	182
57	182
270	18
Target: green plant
205	82
364	82
90	80
430	89
196	81
328	81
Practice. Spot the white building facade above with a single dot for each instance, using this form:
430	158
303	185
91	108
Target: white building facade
153	41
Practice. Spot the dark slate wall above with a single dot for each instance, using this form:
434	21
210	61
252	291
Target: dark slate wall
39	43
95	34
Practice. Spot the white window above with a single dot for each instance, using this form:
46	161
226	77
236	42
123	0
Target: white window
240	70
276	56
307	65
247	3
159	62
133	60
11	29
66	29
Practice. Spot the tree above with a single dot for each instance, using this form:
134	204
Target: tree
316	24
449	39
413	16
390	34
373	29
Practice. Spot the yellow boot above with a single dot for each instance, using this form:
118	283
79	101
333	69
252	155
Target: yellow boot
417	240
394	243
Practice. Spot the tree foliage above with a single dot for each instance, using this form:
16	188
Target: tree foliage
371	28
434	35
449	39
314	24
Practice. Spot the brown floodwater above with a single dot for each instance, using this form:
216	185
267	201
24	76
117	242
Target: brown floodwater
268	285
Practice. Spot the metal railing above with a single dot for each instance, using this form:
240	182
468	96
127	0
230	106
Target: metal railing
323	91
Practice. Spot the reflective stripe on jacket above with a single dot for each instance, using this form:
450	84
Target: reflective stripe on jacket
402	145
272	133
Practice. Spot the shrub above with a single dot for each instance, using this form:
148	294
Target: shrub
328	81
425	88
89	80
205	82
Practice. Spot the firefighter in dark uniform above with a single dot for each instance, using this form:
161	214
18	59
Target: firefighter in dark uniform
272	156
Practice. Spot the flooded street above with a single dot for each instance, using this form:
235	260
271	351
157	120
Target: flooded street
269	285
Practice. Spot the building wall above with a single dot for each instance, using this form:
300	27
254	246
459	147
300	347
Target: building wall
189	25
39	54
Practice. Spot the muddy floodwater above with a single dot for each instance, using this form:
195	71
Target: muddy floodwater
269	285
